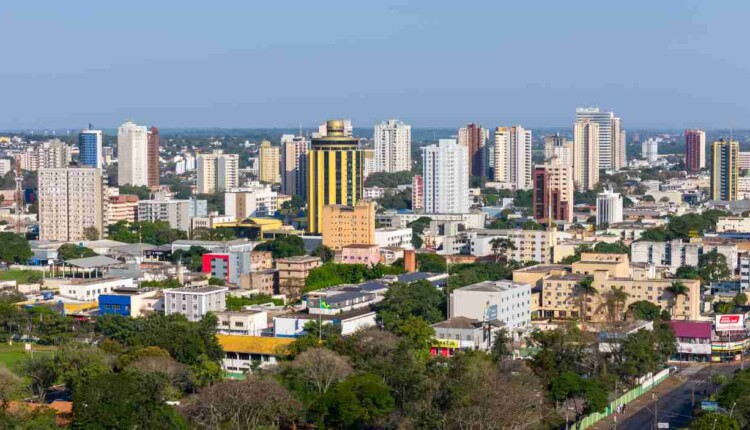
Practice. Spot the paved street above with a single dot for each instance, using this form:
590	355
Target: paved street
674	403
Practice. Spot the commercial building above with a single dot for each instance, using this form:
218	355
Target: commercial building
695	150
217	172
228	266
294	165
733	224
243	353
586	154
345	225
52	154
559	297
88	290
245	202
393	237
369	255
71	200
461	333
153	158
417	192
611	148
513	157
293	272
473	137
503	301
269	163
553	193
127	301
122	208
392	143
608	208
194	303
725	170
334	172
242	323
558	150
90	148
132	154
446	178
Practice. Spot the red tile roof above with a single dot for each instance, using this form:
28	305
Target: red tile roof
692	329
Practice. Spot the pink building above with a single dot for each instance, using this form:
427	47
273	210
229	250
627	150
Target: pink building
359	254
417	192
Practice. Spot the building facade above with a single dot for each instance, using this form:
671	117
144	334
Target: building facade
650	150
725	171
244	202
513	157
558	150
122	208
608	208
586	154
293	272
446	178
52	154
346	225
269	163
417	192
294	165
194	303
392	143
610	149
177	213
503	301
71	200
334	172
217	172
153	157
473	137
695	150
553	193
132	154
90	148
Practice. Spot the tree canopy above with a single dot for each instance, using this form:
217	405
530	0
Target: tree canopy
284	246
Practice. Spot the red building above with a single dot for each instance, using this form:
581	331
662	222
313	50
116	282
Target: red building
474	137
553	193
695	150
153	157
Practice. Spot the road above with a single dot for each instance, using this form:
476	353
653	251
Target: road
676	406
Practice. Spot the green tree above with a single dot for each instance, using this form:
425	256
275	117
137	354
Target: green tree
713	267
221	234
714	421
723	307
91	233
78	364
325	253
41	373
69	251
687	272
143	192
284	246
388	179
740	299
675	290
124	400
645	310
615	302
192	258
612	248
15	249
501	345
432	263
418	299
151	232
361	401
583	290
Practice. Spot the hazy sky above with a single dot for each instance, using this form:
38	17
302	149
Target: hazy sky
431	63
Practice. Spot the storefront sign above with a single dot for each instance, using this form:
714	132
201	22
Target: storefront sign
445	343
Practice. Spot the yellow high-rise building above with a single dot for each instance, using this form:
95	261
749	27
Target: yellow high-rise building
269	163
334	173
725	170
348	225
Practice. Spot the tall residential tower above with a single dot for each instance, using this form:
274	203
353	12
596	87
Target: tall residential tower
446	177
90	147
695	150
132	154
392	142
725	170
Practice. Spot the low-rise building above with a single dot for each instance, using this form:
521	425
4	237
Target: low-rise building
88	290
677	253
368	255
228	266
293	271
128	302
394	237
693	340
733	224
504	301
264	281
242	353
461	333
345	225
194	303
243	323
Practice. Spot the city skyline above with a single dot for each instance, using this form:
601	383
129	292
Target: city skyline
232	74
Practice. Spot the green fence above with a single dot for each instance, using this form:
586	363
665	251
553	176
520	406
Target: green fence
648	384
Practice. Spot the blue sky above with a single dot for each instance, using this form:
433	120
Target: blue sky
431	63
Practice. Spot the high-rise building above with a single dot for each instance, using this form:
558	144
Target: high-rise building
417	192
153	157
269	163
473	137
177	212
446	177
90	148
217	172
744	160
611	151
650	150
369	169
553	193
71	201
5	166
294	165
348	128
347	225
132	154
695	150
586	154
52	154
392	140
334	171
513	157
558	150
725	170
608	208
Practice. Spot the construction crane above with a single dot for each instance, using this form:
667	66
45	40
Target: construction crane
19	193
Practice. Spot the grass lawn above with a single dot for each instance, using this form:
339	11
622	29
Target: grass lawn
10	356
20	276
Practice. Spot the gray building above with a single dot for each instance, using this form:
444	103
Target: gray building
677	253
503	301
194	303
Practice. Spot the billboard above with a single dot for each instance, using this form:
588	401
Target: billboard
730	322
445	343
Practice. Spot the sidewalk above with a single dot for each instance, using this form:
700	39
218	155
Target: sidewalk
636	405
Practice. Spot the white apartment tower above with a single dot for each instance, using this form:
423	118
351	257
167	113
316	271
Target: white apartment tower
217	172
70	201
446	177
513	157
611	145
132	154
586	154
294	165
392	140
650	150
608	208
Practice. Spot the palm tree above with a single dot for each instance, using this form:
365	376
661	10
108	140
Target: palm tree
505	246
495	242
615	303
675	290
583	290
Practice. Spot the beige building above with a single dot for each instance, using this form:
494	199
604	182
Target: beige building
122	208
270	160
558	297
733	224
558	150
265	281
293	272
585	154
52	154
346	225
217	172
70	201
553	192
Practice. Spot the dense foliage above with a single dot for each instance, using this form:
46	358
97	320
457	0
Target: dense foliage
388	179
284	246
151	232
15	249
331	274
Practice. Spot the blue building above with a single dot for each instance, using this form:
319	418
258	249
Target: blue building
90	148
114	304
